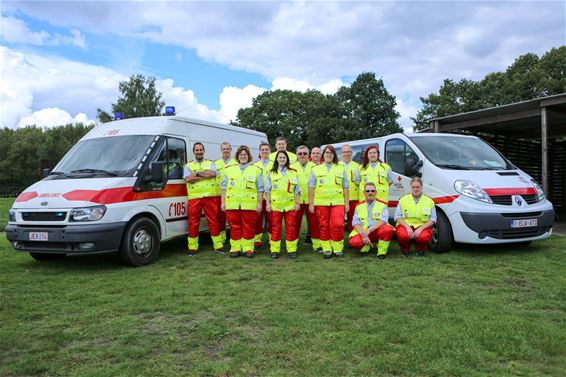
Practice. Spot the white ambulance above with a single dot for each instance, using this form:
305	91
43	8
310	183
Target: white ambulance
120	188
481	197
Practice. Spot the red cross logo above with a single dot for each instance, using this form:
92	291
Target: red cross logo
398	178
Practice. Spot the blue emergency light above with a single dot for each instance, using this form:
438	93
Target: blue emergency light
169	110
118	116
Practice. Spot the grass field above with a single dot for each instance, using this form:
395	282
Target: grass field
476	311
5	205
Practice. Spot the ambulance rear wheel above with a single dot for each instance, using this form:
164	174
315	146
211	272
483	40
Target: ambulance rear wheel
140	243
47	257
442	238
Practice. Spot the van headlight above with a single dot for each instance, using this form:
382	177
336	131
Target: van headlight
87	213
12	215
471	190
537	187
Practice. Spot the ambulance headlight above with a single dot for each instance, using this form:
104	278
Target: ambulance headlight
87	213
11	215
471	190
537	187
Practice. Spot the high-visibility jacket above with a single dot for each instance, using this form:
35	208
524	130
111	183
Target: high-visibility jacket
241	187
220	166
265	169
416	214
378	175
328	190
203	188
292	156
352	170
283	190
363	216
303	175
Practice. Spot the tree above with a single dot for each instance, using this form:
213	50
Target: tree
364	109
527	78
368	107
139	98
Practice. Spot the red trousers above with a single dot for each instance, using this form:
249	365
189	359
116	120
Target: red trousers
353	204
331	222
259	223
421	242
276	220
211	206
383	233
312	222
221	216
242	225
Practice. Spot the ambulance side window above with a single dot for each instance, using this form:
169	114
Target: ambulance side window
400	156
175	158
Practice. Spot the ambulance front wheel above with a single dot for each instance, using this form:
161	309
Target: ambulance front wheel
140	243
442	238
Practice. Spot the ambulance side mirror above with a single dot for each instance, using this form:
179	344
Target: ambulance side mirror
157	172
412	167
45	173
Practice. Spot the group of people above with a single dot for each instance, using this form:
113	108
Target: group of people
282	186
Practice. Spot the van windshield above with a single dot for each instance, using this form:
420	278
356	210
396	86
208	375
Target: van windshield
461	153
109	156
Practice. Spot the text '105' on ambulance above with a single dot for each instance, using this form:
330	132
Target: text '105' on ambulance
480	196
119	189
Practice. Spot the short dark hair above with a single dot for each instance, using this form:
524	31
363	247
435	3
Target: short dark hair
280	138
264	143
198	143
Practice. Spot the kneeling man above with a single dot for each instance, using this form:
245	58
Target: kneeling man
370	224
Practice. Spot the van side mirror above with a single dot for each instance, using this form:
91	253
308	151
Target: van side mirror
45	173
412	167
157	172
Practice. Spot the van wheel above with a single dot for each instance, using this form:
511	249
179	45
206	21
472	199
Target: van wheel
442	238
47	257
140	243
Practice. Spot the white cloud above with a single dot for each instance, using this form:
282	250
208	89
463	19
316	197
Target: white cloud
53	116
16	31
302	85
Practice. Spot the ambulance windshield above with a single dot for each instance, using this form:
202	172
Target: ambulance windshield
461	153
108	156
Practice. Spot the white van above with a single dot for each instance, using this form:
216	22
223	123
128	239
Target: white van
481	197
120	188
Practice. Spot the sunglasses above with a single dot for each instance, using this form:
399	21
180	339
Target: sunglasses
370	190
302	153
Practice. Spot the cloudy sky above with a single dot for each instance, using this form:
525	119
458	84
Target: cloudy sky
61	60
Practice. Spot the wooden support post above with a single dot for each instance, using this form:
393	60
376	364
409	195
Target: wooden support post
544	148
436	126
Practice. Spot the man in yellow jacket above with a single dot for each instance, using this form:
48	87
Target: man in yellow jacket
353	172
265	164
200	176
221	164
370	224
281	145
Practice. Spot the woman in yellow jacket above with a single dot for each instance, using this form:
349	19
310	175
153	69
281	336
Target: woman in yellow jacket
282	201
376	171
329	199
242	196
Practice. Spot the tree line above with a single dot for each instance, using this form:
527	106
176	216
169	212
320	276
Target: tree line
361	110
25	151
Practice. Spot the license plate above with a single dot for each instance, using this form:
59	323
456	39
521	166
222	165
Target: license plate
523	223
38	236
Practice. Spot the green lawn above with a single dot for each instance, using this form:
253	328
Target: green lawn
476	311
5	205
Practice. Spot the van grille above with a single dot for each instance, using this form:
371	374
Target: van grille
507	200
44	216
510	234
